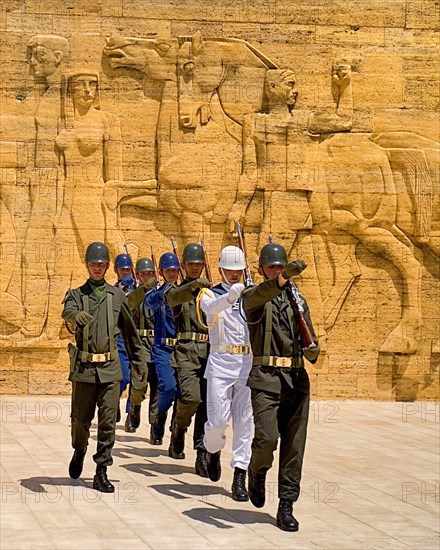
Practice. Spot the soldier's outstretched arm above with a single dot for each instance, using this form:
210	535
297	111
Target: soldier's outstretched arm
178	295
256	296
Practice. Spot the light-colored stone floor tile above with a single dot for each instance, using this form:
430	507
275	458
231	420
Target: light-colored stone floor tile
23	539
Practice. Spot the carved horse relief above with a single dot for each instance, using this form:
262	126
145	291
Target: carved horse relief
198	128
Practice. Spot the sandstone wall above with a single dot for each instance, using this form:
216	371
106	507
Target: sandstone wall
197	121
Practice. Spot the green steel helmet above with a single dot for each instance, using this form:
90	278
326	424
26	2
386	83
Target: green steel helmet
144	264
273	254
97	253
193	253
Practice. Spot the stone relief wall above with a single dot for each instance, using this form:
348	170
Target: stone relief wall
313	122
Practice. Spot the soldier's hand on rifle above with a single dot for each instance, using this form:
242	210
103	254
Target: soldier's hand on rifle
150	283
83	318
234	292
293	268
201	282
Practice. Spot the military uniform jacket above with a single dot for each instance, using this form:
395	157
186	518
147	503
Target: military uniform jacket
143	317
275	333
116	320
183	304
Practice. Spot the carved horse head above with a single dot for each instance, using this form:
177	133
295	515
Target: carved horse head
153	57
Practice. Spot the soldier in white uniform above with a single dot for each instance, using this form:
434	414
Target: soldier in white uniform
227	371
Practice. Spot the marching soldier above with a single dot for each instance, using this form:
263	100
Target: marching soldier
191	353
144	321
227	371
164	342
123	269
99	313
279	382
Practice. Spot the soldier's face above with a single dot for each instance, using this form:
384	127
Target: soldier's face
270	271
169	275
193	270
230	276
143	276
97	270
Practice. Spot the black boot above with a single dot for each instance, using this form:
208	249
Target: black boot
257	490
135	415
129	424
285	519
76	464
118	414
101	482
214	465
158	428
201	466
177	443
239	491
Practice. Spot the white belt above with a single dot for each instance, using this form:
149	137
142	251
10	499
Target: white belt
236	349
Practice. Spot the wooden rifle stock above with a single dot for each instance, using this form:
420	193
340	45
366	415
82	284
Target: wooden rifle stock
153	259
173	244
207	268
246	271
295	301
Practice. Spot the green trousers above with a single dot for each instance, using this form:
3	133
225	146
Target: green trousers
282	417
85	398
193	399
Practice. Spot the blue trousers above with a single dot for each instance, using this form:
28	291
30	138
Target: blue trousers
168	389
125	368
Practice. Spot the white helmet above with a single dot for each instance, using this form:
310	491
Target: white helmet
232	257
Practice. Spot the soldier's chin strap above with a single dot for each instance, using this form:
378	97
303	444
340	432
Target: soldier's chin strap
198	310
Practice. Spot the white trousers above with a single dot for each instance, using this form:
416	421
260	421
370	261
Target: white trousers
226	398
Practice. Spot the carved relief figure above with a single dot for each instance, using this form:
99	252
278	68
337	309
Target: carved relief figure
46	55
90	151
279	152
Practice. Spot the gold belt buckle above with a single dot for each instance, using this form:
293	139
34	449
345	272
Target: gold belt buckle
235	349
99	357
203	338
283	362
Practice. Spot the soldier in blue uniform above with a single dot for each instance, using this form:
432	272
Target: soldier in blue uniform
124	268
164	342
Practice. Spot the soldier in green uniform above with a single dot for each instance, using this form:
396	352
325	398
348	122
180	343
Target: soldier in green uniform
144	321
99	313
280	388
191	354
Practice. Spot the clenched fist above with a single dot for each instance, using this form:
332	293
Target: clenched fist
201	282
293	268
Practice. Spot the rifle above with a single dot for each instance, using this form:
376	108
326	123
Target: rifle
296	303
133	272
153	259
173	244
207	268
298	310
246	271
